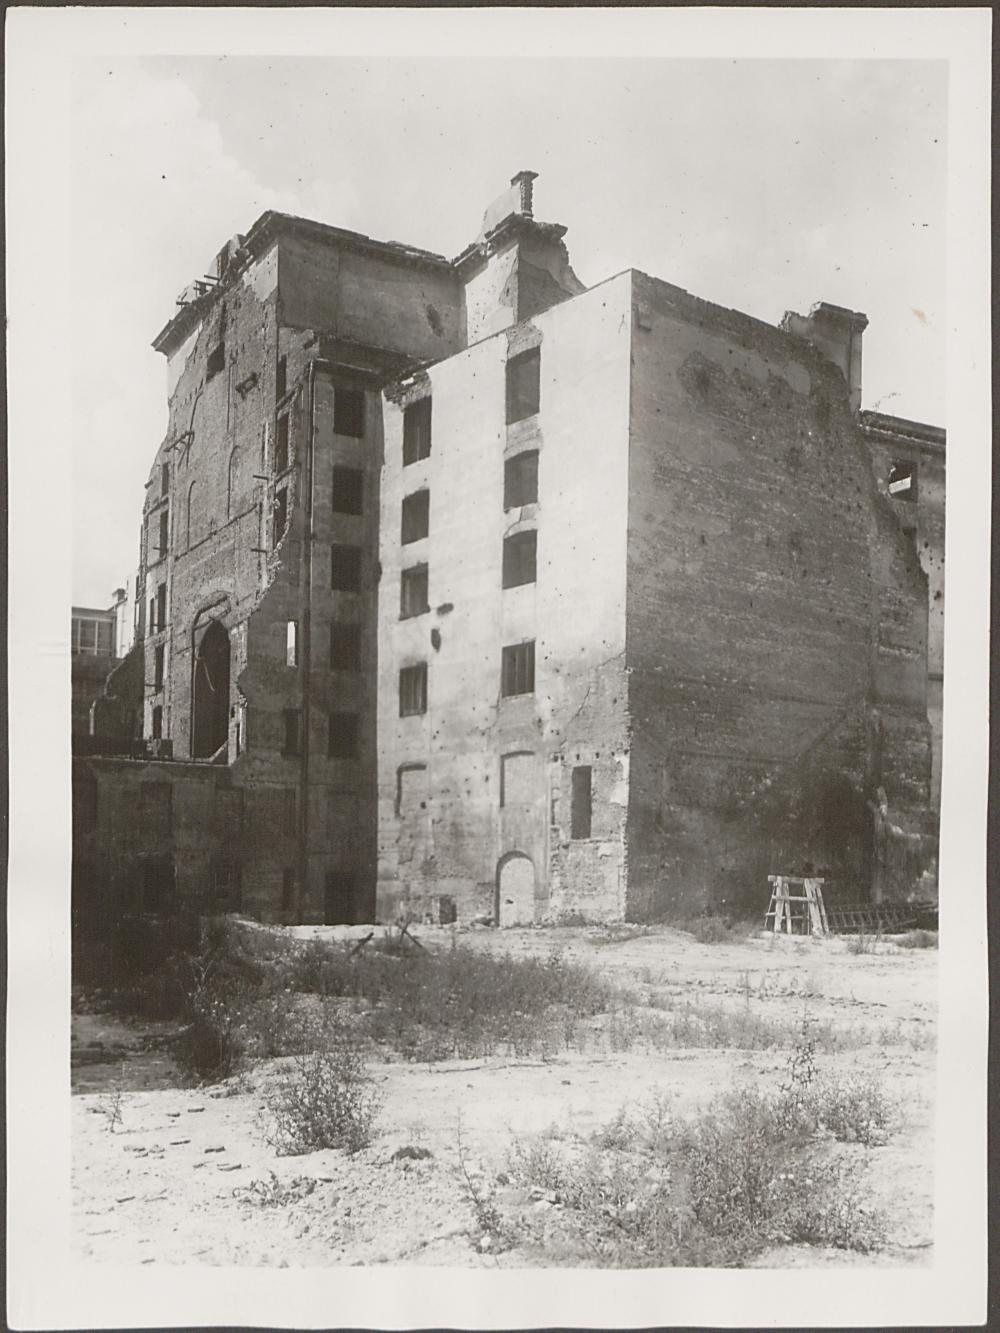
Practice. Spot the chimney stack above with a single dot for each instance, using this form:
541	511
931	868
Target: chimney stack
837	332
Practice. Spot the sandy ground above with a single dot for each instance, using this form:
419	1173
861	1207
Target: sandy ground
178	1180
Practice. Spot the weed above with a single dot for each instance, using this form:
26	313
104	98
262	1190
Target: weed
918	939
488	1217
864	942
275	1193
410	1152
710	929
110	1105
323	1101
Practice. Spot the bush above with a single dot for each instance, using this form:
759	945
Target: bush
918	939
710	929
324	1101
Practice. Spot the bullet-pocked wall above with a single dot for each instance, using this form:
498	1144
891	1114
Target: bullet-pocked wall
755	616
503	726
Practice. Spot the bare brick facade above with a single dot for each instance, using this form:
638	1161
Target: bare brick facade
472	593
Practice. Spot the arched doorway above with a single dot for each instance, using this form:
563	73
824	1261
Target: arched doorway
515	890
211	692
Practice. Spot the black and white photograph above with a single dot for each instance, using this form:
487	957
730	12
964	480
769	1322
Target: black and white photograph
498	666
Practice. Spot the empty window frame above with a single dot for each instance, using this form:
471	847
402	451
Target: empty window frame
345	568
293	731
342	740
348	490
417	431
523	378
413	690
520	480
416	516
413	592
152	615
517	669
902	481
345	646
158	668
158	722
281	444
281	378
349	412
216	360
161	607
280	515
581	802
164	533
519	552
292	643
164	478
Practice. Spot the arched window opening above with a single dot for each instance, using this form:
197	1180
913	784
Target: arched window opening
232	482
211	692
190	527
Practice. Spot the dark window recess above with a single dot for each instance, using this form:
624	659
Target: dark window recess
345	568
281	445
903	481
152	615
523	385
345	646
158	668
413	690
349	412
519	559
416	516
293	731
581	803
417	431
216	360
280	515
164	534
413	592
520	480
281	378
288	881
517	669
348	487
343	736
157	723
161	607
226	882
164	478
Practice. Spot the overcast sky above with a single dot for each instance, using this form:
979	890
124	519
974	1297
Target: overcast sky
761	185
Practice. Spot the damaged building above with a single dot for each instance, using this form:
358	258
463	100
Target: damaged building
468	592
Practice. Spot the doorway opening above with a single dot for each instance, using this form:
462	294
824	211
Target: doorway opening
211	692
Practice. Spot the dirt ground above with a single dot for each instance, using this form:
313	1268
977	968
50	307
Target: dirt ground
183	1176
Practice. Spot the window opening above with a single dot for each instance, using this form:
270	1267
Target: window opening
413	690
348	485
216	360
581	802
345	568
292	643
416	516
349	412
517	669
157	722
417	431
281	444
413	592
343	736
152	615
165	531
523	377
903	480
280	515
519	559
340	893
345	646
293	731
520	480
281	378
211	692
158	668
161	607
164	478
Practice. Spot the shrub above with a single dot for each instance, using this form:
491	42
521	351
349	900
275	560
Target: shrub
324	1101
918	939
710	929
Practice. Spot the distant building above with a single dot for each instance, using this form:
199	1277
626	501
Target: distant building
99	639
466	591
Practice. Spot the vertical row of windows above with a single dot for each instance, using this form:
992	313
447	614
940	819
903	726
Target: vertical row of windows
343	734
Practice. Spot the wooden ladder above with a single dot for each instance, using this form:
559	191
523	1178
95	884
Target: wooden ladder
806	917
